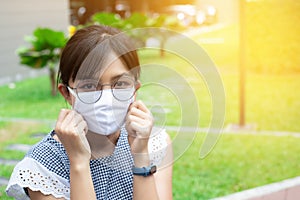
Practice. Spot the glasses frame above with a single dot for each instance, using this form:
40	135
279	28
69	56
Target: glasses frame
75	93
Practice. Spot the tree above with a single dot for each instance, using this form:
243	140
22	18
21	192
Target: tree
138	21
46	45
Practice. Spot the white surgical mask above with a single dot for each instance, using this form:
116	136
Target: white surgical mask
105	116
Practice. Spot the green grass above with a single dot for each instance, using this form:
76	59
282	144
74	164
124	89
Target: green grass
3	194
271	100
20	133
234	161
237	162
30	99
6	170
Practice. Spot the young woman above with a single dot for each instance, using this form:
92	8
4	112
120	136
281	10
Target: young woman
105	147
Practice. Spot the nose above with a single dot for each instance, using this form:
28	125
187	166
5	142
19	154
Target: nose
106	86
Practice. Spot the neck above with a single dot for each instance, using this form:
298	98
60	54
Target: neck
102	145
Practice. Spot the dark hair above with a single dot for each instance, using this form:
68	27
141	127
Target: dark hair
90	47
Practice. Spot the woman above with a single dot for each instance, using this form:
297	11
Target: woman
105	147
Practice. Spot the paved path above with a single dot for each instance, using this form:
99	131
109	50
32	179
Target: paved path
8	162
3	181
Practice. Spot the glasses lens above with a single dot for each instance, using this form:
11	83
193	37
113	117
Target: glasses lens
123	89
87	91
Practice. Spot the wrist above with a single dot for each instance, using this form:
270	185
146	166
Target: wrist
139	146
144	171
79	166
141	159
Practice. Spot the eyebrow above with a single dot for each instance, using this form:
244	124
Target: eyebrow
118	76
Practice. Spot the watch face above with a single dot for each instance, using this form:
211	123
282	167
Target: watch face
153	169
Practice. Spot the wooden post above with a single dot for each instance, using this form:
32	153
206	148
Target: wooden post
242	61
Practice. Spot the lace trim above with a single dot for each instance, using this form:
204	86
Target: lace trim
30	174
157	146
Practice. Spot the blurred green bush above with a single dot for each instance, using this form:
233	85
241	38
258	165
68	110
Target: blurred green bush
44	51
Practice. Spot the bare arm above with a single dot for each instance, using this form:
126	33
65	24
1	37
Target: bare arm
161	180
139	125
81	182
143	187
163	176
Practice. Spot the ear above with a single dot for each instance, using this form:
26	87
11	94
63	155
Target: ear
65	92
137	86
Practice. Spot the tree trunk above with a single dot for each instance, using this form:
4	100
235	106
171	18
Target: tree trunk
52	80
162	48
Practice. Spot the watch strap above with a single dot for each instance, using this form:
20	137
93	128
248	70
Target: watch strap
144	171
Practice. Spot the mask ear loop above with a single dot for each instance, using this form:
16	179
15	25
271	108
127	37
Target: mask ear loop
71	92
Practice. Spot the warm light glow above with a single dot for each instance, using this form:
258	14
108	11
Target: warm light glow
180	16
200	18
211	10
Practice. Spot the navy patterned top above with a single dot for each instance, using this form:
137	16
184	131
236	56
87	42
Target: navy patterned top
46	168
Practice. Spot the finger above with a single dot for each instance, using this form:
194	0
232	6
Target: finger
62	115
139	113
142	106
77	118
81	131
82	127
129	128
136	119
72	119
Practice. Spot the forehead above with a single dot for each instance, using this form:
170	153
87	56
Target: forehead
103	71
112	69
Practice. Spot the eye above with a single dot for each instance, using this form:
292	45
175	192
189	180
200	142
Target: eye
87	86
122	84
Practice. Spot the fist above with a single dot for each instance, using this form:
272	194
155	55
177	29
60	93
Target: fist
139	123
71	130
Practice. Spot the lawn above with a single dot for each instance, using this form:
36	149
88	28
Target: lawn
234	161
237	162
171	86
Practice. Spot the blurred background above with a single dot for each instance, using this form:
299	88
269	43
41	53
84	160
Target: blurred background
254	44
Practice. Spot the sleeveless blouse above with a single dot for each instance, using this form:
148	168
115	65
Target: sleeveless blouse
46	168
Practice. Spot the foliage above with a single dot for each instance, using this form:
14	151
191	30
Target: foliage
45	48
138	21
46	45
107	19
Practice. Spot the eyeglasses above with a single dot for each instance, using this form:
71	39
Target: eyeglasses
90	91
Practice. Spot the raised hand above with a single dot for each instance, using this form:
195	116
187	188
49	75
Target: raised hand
71	130
139	123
